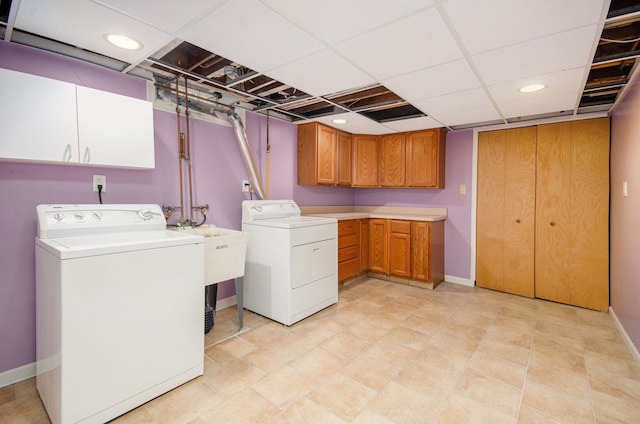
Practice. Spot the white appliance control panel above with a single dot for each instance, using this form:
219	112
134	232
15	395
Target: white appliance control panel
253	210
72	220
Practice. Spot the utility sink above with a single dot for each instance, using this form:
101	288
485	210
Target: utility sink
224	252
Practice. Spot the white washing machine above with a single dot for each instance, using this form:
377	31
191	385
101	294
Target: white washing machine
292	261
119	307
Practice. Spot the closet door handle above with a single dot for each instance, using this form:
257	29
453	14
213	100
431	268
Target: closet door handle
553	224
517	221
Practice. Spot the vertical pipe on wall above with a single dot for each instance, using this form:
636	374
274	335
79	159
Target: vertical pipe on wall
188	148
180	148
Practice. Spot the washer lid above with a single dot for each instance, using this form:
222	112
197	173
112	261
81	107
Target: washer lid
104	244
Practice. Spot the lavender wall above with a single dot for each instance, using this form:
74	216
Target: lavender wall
625	226
218	170
457	232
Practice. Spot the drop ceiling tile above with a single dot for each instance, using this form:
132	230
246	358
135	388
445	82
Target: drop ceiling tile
249	33
356	124
84	24
471	116
464	100
558	83
321	73
506	22
540	105
333	21
546	55
419	41
435	81
422	123
166	15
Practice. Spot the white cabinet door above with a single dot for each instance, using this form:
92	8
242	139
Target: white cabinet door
38	118
114	130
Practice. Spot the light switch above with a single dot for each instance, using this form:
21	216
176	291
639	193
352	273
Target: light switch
463	189
624	189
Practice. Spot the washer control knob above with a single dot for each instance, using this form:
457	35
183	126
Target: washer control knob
97	215
79	216
58	217
145	214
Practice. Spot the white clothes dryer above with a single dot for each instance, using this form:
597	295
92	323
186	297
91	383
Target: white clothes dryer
292	261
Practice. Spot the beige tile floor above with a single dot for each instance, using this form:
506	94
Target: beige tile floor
389	353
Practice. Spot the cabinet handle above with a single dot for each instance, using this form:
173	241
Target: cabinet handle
87	154
517	221
552	224
316	249
68	153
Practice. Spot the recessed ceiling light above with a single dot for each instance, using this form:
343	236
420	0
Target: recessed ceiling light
531	88
123	41
339	121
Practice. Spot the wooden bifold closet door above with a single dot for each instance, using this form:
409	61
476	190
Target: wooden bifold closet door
572	213
543	212
506	210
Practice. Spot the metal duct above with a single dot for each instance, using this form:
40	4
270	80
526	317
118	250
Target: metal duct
238	129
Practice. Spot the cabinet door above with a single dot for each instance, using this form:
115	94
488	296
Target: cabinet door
420	250
400	248
38	118
344	158
392	160
364	245
505	210
425	158
378	247
114	130
572	213
327	155
365	160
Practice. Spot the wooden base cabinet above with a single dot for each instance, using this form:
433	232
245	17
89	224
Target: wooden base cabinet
348	249
407	252
543	211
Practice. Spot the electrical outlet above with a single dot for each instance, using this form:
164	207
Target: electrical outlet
245	186
100	180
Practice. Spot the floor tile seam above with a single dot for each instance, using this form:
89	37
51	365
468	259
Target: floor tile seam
526	373
238	333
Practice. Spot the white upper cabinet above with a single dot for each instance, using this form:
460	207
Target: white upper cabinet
57	122
38	119
114	130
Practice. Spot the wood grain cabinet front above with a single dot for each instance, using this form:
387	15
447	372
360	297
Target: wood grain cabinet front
317	154
348	249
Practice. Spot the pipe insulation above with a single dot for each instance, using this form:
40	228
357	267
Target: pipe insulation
238	128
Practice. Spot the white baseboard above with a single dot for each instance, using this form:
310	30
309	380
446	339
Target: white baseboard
17	374
226	302
625	336
458	280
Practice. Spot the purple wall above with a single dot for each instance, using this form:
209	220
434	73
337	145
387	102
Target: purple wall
625	226
218	170
457	229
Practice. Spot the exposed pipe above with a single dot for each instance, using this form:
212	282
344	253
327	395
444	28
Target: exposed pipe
230	115
243	142
180	149
188	156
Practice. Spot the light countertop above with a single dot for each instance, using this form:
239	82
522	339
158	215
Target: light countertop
359	212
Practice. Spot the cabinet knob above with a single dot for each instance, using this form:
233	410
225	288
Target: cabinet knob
517	221
552	224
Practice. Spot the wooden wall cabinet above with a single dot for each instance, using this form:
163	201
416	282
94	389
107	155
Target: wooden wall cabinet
425	158
317	154
393	160
365	160
542	212
345	158
413	159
